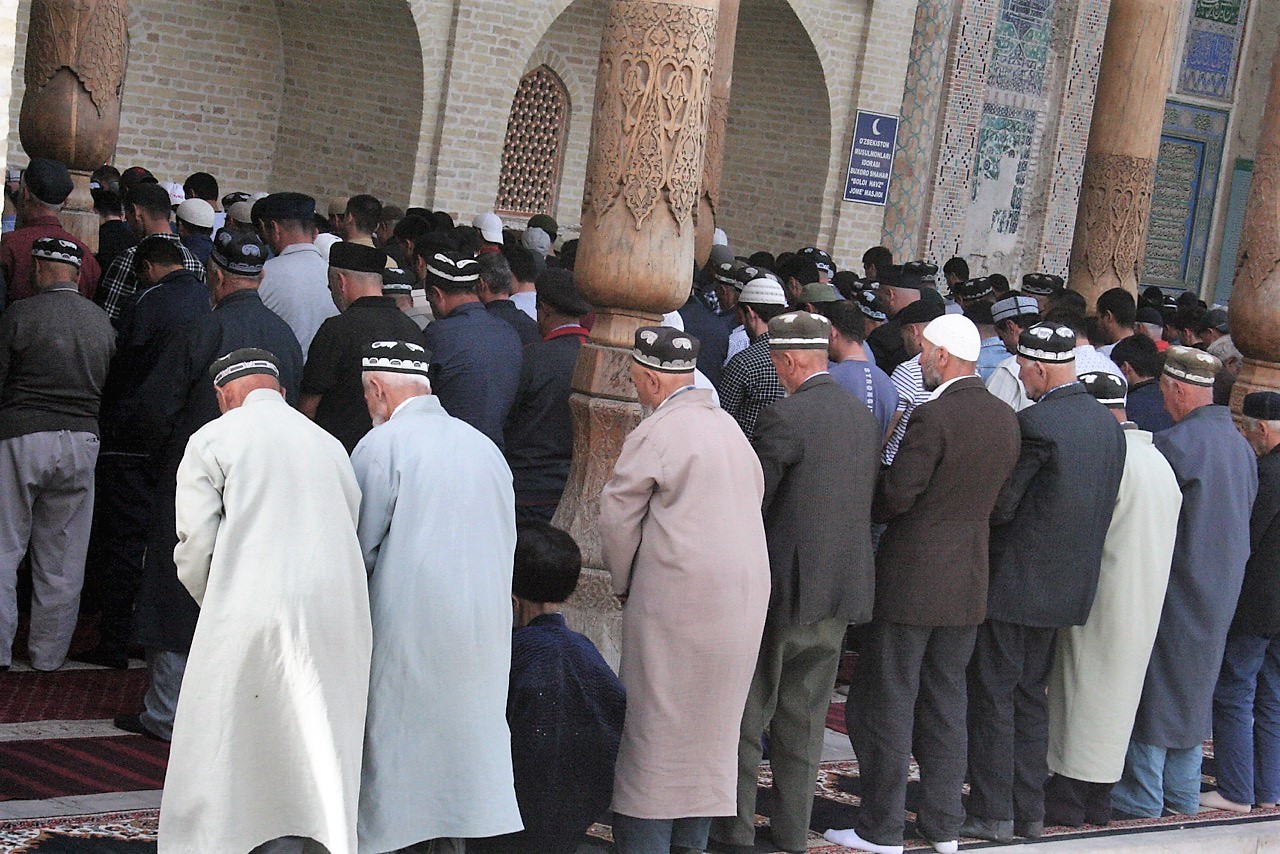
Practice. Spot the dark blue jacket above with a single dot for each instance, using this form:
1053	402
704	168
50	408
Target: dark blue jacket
1145	407
475	367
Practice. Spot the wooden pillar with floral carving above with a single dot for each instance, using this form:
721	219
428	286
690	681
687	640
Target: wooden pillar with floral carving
74	74
717	127
644	181
1255	293
1124	140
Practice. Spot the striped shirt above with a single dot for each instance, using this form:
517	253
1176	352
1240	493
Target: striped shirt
909	383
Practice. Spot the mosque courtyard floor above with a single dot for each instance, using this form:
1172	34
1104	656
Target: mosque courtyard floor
71	782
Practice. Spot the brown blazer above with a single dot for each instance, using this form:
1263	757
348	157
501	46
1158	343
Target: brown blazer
932	565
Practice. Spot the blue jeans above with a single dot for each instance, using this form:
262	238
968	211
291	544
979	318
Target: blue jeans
659	835
1159	777
1246	720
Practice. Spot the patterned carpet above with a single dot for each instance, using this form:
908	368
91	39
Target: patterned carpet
70	695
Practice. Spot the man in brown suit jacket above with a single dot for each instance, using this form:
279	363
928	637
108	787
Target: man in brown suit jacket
931	594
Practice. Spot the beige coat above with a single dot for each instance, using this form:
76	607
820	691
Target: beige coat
1098	669
682	533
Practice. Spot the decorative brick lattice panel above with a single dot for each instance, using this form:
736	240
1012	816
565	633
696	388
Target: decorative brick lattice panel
533	152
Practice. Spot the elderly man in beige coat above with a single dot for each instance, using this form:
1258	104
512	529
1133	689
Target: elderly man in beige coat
683	536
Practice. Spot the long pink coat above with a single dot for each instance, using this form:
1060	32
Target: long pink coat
682	533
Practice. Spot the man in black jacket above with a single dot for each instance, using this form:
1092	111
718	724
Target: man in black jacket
1049	524
1246	700
125	477
539	428
175	401
818	448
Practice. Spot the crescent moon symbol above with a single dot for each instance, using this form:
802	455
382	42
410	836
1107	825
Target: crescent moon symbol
875	127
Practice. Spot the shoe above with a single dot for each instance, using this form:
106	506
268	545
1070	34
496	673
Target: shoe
1213	800
133	724
949	846
103	658
993	830
1266	806
1028	829
850	839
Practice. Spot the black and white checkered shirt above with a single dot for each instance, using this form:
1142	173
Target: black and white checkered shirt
749	384
119	286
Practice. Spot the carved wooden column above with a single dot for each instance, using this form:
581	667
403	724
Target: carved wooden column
1124	139
1255	294
717	126
76	56
644	180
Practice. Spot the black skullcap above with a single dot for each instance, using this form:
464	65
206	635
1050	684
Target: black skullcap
1048	342
397	282
240	253
918	276
667	350
920	311
1262	405
1042	284
57	249
555	288
286	206
242	363
1107	388
820	258
397	357
452	271
48	180
872	305
975	288
356	257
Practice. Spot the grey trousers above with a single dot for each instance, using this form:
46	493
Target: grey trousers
160	703
790	693
46	491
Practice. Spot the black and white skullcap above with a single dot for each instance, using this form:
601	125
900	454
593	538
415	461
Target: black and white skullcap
57	249
397	357
1106	388
667	350
242	363
1048	342
451	271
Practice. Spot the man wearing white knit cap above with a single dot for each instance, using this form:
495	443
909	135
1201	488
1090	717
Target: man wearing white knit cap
931	595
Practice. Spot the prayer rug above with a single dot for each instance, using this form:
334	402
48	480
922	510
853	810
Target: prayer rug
52	768
71	695
103	833
835	718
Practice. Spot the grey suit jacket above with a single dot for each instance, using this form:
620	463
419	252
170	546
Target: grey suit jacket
819	449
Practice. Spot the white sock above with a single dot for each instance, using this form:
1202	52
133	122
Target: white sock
946	847
850	839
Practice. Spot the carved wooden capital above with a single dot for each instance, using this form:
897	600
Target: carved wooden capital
651	109
88	37
1111	230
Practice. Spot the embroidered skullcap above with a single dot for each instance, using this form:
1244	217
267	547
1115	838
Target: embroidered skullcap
820	258
817	292
242	363
872	305
1107	388
1262	405
48	180
669	351
1014	306
799	330
920	311
975	288
57	249
452	271
1042	284
397	357
1191	365
1048	342
727	273
240	253
233	198
918	276
718	255
956	334
489	224
397	282
357	257
762	291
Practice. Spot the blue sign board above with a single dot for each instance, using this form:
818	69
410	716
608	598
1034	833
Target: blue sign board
875	138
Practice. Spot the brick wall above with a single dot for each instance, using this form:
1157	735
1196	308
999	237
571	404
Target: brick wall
353	96
203	90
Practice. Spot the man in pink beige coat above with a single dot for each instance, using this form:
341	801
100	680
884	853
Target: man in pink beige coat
683	536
